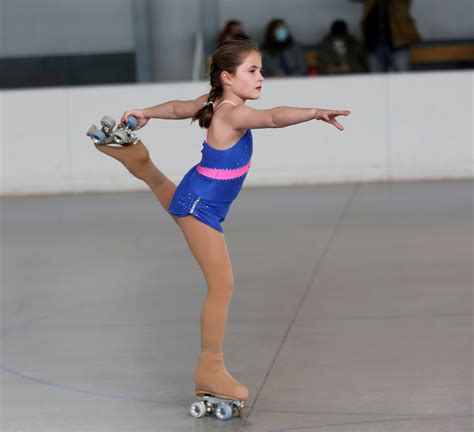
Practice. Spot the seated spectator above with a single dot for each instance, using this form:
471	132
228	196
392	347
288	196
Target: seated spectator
282	56
341	53
232	29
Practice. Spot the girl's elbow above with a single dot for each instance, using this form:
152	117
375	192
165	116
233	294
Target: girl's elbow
174	111
271	121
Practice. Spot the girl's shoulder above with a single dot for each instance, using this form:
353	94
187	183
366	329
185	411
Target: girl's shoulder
221	132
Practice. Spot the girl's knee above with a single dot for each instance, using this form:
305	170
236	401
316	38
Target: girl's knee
222	288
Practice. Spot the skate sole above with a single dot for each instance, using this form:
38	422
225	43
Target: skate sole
201	393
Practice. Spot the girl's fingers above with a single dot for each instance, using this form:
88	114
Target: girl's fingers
335	113
127	114
343	112
330	117
124	118
337	124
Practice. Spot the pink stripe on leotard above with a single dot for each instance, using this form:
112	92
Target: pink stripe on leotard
223	174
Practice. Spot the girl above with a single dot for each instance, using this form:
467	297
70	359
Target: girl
199	204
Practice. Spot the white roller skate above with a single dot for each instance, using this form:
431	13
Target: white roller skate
122	136
212	405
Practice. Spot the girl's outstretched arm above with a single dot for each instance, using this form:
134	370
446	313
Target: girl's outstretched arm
171	110
243	117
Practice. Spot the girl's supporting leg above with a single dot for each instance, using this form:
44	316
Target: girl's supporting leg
136	159
209	248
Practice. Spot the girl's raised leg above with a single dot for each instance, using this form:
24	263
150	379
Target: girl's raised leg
209	248
136	159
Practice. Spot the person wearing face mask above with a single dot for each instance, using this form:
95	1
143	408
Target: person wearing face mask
282	56
340	53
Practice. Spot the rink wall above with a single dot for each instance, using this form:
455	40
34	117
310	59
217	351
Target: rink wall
403	127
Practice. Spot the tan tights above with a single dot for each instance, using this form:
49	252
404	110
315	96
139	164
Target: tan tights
209	248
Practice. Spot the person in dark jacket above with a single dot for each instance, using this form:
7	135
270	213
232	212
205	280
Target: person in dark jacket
389	31
282	56
341	53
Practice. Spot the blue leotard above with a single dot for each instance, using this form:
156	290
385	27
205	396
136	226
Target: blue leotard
208	189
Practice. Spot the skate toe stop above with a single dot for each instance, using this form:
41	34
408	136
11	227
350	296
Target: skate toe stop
246	409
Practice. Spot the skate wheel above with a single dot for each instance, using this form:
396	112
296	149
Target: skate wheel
223	411
132	122
98	136
90	130
198	409
120	137
108	124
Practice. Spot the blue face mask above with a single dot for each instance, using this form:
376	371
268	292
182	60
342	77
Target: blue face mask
281	34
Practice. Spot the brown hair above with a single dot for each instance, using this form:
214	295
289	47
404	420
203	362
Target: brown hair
227	57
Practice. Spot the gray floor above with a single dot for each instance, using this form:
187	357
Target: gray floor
352	311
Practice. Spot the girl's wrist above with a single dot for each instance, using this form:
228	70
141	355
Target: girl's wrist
146	113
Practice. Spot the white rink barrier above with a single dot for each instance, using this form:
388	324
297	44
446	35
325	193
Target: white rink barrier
408	126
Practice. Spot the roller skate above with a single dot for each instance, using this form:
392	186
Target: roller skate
122	136
219	394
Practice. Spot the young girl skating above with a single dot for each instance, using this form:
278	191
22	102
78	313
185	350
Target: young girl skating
201	201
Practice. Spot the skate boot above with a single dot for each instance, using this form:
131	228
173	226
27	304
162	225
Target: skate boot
218	392
122	136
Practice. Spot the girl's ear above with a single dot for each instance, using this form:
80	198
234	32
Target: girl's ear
226	78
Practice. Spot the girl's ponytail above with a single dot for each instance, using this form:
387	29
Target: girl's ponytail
204	115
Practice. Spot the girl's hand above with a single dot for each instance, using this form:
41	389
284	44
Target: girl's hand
139	114
329	116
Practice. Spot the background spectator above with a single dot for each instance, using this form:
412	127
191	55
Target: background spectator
282	56
388	30
232	29
339	52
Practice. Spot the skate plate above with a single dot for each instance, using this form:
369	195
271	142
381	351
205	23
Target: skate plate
222	408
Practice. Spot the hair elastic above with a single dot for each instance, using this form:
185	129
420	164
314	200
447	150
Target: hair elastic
209	102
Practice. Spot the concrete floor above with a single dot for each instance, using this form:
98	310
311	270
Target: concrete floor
352	311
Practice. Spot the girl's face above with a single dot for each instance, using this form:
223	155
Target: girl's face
248	79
